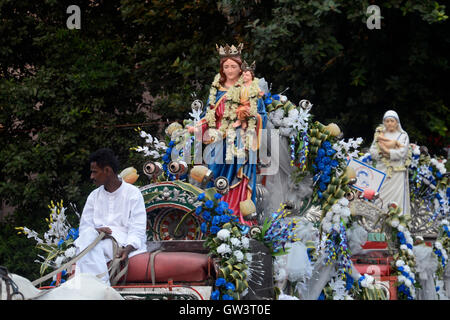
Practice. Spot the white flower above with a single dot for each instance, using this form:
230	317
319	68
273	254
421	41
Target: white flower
223	249
403	247
248	257
326	226
408	283
293	113
401	278
395	222
409	240
368	281
444	222
438	245
336	218
70	252
235	242
245	243
328	216
343	202
338	287
336	208
410	252
223	234
154	154
239	255
407	268
401	228
346	212
399	263
59	260
336	227
149	139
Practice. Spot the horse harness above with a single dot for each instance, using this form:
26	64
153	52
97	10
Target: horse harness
10	286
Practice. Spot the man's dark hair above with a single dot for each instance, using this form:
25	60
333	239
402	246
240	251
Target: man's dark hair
105	157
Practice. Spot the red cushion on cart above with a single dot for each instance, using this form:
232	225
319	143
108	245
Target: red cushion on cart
178	266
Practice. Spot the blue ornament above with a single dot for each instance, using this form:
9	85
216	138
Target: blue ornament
201	196
225	218
206	215
209	204
214	229
220	282
230	286
215	295
216	220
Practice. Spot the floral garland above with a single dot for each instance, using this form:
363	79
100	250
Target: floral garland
230	115
330	186
57	242
441	248
405	261
337	250
289	119
227	242
323	166
276	231
429	183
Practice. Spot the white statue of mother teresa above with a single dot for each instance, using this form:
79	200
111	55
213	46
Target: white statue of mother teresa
390	149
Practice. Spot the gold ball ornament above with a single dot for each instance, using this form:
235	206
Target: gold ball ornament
129	175
333	129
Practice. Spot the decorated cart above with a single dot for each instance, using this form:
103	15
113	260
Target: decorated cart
279	206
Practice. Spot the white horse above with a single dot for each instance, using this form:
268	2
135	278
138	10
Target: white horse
80	287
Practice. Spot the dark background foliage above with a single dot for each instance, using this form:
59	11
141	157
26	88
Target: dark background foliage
65	93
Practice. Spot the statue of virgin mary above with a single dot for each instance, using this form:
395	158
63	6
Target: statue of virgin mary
234	153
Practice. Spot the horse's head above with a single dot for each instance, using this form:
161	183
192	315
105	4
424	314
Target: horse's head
8	288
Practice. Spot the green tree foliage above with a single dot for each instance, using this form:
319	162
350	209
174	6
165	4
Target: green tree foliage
64	93
324	52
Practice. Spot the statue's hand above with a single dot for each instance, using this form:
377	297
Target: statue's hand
384	150
387	143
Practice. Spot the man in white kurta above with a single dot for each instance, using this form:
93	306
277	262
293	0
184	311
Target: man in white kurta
120	213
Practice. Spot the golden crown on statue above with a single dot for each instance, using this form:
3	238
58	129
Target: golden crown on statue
228	51
246	67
